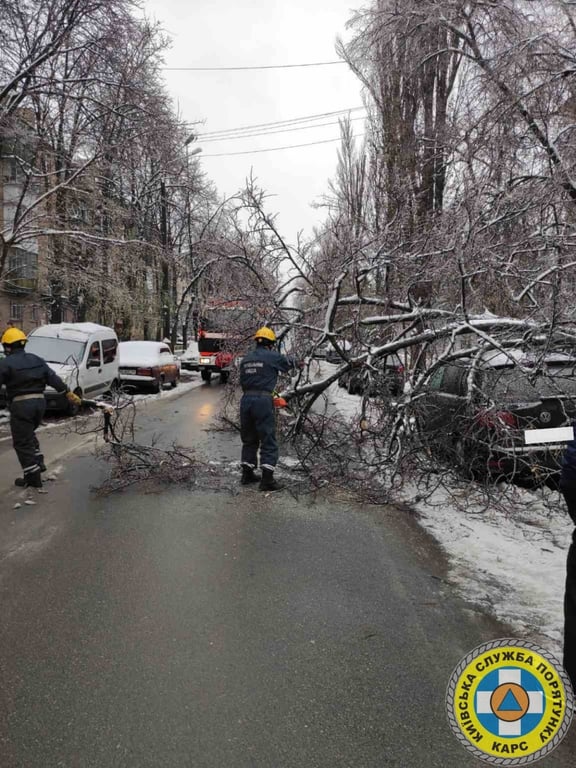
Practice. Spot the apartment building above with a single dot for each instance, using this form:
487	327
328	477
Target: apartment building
24	255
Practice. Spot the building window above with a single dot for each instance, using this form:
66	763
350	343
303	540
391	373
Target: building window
16	313
37	314
22	269
10	172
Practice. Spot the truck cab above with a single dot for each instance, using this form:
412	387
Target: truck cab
214	358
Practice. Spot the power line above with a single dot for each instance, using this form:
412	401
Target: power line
274	132
275	149
278	123
244	69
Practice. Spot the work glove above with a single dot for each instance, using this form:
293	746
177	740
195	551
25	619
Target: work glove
73	398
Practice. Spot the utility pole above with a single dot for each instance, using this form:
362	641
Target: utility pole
165	288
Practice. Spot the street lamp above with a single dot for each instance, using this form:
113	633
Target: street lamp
190	140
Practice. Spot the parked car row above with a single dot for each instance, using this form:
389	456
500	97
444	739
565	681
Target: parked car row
92	362
472	413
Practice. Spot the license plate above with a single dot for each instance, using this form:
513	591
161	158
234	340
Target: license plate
204	361
129	371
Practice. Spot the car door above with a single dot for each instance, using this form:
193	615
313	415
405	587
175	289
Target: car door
109	363
442	405
93	384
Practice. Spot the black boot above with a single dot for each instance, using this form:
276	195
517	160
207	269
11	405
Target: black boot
30	480
268	483
248	475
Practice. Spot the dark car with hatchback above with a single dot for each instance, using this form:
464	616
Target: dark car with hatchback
474	412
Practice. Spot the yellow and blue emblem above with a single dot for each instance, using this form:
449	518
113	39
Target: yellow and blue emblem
509	702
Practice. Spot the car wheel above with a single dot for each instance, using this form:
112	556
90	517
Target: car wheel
157	386
224	377
206	376
174	384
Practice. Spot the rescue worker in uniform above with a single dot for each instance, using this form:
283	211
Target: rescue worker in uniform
26	376
568	489
259	371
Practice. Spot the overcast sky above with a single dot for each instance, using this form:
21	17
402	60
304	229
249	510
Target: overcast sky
229	33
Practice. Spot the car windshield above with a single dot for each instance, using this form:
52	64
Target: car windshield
56	350
208	345
511	384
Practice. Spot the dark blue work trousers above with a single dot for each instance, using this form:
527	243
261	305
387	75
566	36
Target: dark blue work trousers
25	418
570	595
258	430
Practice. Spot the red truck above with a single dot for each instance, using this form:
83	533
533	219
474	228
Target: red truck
213	357
219	337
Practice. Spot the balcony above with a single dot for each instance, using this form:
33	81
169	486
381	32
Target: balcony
19	286
21	277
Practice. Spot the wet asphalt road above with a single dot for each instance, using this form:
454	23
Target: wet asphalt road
221	628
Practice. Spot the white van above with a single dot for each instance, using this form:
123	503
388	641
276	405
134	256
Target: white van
84	355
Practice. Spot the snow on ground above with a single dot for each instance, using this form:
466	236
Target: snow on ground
506	554
511	561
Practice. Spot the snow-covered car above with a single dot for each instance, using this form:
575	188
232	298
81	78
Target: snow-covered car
148	365
190	359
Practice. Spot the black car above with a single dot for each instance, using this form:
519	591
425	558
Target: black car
384	378
473	413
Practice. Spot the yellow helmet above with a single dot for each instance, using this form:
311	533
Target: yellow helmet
265	333
12	335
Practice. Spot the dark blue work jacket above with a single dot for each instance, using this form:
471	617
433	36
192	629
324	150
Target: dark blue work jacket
259	369
24	373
